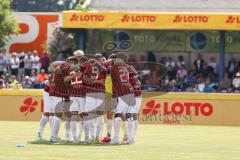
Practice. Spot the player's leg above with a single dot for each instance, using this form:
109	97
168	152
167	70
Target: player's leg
130	100
85	126
91	105
111	108
84	115
121	110
67	115
67	136
42	123
135	115
56	121
58	106
45	116
81	111
73	126
100	112
125	135
74	109
80	127
92	125
130	127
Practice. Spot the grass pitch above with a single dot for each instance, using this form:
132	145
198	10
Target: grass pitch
154	142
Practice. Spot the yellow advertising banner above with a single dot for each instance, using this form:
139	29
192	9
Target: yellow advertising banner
156	108
153	21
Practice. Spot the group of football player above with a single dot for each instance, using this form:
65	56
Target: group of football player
76	89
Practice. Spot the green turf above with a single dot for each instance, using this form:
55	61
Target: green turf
154	142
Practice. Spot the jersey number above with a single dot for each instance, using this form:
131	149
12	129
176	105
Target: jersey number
76	81
95	72
124	75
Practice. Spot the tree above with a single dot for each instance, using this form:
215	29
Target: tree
8	23
61	42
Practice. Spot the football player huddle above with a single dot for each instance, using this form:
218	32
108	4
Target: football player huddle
76	89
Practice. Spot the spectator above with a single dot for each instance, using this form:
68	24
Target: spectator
179	84
199	62
36	85
194	70
189	80
180	61
14	83
213	64
2	83
36	61
153	79
225	84
163	60
28	62
6	76
200	85
170	63
3	64
27	84
231	68
21	66
141	64
45	62
42	76
207	88
151	57
204	71
33	76
173	85
236	82
182	72
132	58
14	64
6	56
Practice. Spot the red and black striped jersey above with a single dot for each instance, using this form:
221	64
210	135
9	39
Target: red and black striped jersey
136	86
134	81
120	80
93	72
76	87
58	87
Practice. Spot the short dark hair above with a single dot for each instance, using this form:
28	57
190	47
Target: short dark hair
112	56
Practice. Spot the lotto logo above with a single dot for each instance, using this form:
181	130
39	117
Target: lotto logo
190	19
138	18
233	19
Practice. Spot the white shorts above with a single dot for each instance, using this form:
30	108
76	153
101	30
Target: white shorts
47	103
77	104
125	103
58	104
94	102
136	108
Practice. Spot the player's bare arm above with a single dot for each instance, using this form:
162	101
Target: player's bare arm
55	64
100	67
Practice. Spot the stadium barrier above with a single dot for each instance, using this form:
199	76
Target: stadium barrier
156	108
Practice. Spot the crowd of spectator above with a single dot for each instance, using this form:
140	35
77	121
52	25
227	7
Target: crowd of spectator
23	70
202	76
28	71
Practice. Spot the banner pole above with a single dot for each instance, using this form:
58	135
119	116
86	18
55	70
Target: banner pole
221	55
